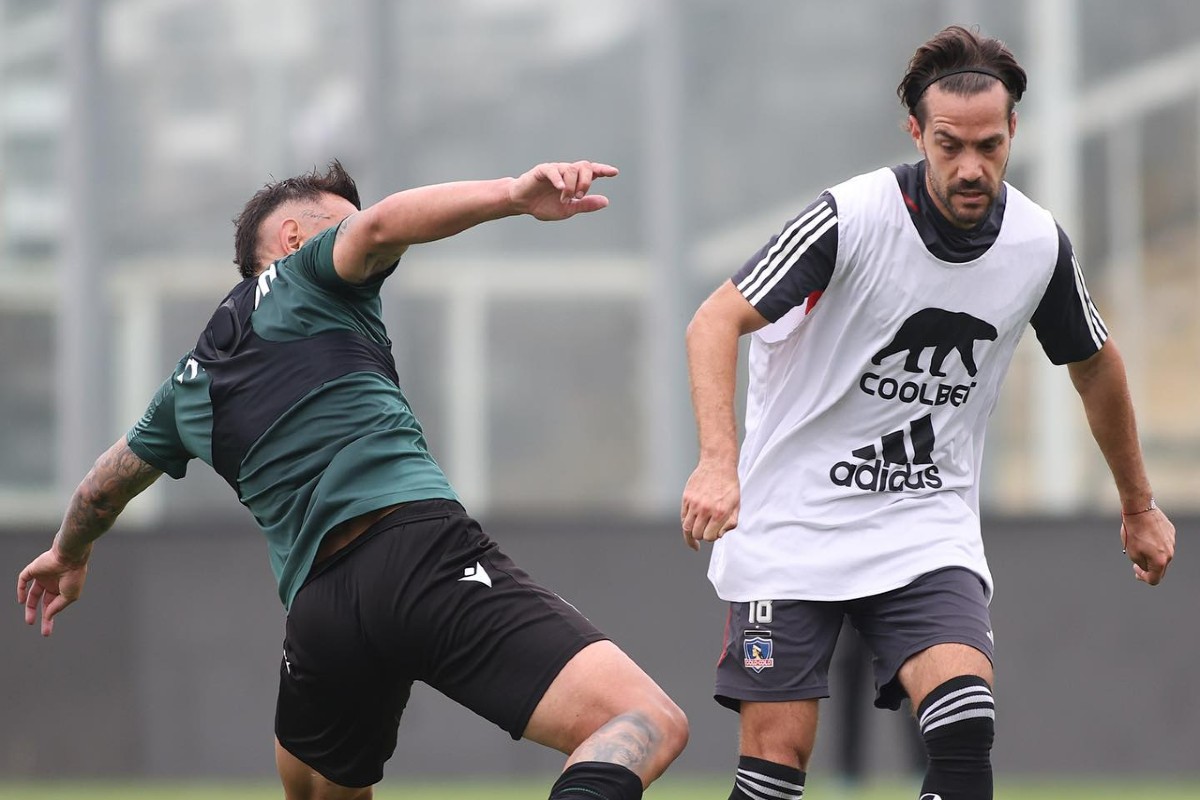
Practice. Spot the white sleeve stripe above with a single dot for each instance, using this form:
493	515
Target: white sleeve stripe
783	259
1101	328
758	777
780	243
1095	325
766	263
762	292
981	694
989	713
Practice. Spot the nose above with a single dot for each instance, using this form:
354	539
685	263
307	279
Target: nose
970	169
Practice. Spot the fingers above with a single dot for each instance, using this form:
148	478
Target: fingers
593	202
1150	545
1151	573
56	604
1146	576
690	542
574	180
32	598
687	521
22	585
706	526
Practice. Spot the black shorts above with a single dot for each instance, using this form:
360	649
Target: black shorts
781	649
422	595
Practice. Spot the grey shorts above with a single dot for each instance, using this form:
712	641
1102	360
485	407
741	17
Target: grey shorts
781	649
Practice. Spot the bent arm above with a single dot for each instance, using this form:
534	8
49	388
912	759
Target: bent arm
54	580
1101	383
1146	534
117	477
370	241
711	498
712	351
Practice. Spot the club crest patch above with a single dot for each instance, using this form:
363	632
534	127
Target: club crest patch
757	649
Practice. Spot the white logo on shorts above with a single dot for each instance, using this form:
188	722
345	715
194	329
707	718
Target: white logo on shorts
930	796
476	574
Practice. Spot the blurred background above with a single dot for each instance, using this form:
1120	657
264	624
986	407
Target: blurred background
546	361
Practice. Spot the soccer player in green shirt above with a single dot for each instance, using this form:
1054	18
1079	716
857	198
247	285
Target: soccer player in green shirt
291	395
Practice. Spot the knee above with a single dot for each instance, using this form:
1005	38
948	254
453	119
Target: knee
779	732
958	721
674	725
663	723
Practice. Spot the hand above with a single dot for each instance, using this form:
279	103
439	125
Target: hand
52	582
1149	541
711	501
559	190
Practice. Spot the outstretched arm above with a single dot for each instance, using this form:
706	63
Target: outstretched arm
1147	536
55	579
370	241
712	496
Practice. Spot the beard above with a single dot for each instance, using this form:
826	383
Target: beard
967	217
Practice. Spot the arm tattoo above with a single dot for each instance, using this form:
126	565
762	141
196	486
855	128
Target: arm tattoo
629	740
115	479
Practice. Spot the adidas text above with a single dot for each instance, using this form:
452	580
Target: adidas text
877	476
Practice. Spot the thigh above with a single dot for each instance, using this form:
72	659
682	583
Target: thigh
492	638
777	650
340	694
945	607
337	709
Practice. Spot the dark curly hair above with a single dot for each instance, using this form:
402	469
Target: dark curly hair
309	186
957	48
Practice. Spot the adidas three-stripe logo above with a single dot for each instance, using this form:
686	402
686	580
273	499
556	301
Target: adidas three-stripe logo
893	450
889	467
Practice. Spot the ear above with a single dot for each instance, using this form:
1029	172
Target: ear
290	236
1012	124
914	130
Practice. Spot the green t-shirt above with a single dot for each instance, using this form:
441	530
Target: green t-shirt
291	395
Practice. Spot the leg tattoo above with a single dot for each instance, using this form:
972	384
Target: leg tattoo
629	740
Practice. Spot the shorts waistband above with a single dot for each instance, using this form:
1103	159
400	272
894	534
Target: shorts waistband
404	514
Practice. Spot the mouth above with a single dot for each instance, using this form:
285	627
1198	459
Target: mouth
972	196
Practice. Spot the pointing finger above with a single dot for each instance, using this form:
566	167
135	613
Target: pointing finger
603	170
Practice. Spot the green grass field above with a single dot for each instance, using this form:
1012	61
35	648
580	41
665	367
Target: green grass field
668	789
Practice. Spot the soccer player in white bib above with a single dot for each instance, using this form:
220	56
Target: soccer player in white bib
882	321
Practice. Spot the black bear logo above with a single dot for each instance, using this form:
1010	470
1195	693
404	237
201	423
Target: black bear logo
943	331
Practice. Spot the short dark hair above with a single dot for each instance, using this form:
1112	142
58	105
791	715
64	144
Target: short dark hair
309	186
947	59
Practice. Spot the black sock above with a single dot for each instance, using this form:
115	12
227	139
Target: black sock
597	780
958	723
765	780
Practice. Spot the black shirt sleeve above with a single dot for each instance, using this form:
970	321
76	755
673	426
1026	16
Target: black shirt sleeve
795	266
1066	321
